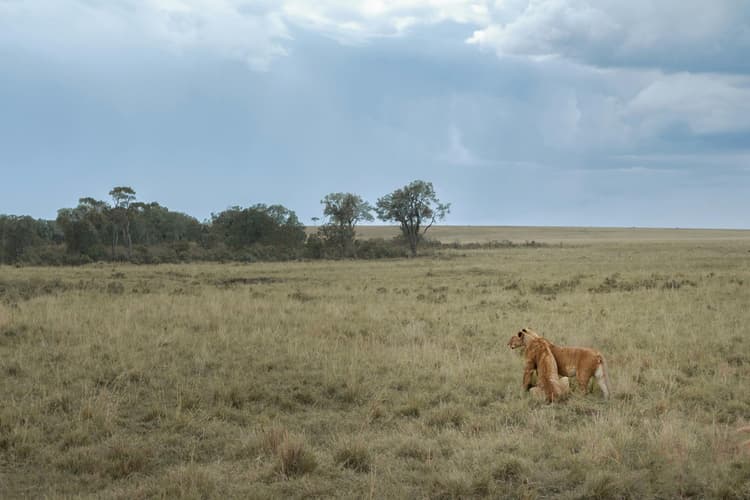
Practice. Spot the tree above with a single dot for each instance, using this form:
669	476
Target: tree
122	212
414	206
274	226
344	211
85	226
17	233
154	224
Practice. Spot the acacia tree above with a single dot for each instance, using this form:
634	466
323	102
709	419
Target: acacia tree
415	207
344	211
122	212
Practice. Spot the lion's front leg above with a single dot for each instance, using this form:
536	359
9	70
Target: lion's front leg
538	394
527	371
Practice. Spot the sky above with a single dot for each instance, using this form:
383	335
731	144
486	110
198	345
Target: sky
520	112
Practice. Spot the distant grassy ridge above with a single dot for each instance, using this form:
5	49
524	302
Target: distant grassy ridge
516	234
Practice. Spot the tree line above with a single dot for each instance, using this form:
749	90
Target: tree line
123	228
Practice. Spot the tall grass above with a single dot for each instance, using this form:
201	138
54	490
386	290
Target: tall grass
377	379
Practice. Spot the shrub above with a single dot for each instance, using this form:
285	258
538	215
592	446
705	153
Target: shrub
447	416
122	459
191	481
353	455
415	449
410	409
379	248
508	469
293	458
450	486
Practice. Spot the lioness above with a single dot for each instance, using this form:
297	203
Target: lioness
581	362
550	385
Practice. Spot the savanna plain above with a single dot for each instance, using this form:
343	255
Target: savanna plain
382	379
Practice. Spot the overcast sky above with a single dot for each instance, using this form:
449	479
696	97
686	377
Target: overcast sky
520	112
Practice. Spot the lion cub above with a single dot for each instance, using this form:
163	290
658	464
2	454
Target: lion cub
538	356
581	362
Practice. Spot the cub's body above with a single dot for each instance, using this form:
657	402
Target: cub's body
580	362
539	358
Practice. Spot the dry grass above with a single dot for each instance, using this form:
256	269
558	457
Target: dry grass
385	379
556	235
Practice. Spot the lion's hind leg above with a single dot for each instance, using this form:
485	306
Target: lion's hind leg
562	388
565	383
601	379
584	378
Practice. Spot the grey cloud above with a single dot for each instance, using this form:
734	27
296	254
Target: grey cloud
92	29
633	50
675	35
255	32
357	21
706	104
175	97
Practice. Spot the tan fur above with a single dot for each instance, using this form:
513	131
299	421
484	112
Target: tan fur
581	362
539	357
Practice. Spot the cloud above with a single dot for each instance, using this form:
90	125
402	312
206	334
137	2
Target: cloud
730	163
357	21
366	96
675	35
457	153
687	35
255	32
703	103
80	28
222	26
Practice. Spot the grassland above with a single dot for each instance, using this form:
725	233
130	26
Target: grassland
556	235
382	379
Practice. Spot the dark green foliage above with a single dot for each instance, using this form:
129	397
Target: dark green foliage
316	247
124	229
344	211
18	235
148	233
121	216
415	207
378	248
154	224
85	227
259	225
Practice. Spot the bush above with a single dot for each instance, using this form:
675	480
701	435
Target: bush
354	455
379	248
315	247
53	255
293	458
190	481
447	416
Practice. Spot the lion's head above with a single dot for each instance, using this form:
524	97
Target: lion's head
515	342
522	338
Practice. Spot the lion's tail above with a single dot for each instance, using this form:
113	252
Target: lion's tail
601	376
